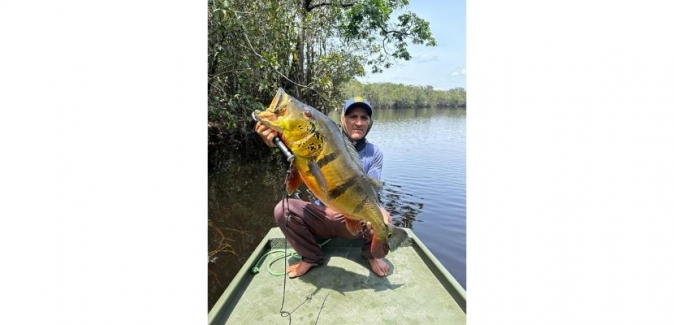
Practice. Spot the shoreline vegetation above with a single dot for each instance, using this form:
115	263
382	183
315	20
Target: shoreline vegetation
382	96
314	50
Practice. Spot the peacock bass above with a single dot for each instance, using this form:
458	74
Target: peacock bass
326	161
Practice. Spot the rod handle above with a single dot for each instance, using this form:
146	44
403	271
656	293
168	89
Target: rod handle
284	150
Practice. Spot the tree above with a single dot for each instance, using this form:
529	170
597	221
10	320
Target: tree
310	48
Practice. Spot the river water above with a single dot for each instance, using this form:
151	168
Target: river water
424	189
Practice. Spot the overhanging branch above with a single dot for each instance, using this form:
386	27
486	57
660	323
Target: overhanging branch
308	6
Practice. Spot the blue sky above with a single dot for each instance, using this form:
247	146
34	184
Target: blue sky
442	66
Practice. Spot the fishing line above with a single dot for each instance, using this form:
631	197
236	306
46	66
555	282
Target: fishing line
319	311
284	202
286	210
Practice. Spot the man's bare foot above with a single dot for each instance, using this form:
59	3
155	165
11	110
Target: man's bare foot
379	266
298	269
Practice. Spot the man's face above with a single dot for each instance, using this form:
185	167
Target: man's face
357	122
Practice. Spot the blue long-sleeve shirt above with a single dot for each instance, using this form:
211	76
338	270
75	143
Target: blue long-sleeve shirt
372	159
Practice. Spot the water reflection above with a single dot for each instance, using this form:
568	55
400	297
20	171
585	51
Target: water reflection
242	194
402	206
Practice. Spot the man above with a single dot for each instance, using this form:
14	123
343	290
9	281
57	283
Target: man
311	222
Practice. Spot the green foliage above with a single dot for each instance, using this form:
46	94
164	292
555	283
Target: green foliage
310	48
368	26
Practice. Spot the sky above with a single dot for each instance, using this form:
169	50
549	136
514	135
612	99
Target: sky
442	66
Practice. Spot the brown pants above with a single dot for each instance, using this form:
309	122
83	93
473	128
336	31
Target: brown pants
309	223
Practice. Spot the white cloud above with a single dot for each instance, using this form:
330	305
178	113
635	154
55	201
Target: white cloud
426	57
458	71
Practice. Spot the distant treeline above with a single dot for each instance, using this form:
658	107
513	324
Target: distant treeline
392	96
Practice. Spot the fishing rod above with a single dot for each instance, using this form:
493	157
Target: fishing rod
277	141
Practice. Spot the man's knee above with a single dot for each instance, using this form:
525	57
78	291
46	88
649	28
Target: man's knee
280	212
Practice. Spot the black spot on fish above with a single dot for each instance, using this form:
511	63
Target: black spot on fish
339	190
359	206
327	158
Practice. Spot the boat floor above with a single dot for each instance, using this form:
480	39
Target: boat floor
418	290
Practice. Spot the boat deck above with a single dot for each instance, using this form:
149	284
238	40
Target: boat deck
344	290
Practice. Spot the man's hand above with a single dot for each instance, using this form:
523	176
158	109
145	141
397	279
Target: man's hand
387	220
266	133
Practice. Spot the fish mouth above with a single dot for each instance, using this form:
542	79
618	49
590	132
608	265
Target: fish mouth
267	118
264	116
272	113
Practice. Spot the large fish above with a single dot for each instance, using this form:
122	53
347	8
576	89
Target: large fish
326	161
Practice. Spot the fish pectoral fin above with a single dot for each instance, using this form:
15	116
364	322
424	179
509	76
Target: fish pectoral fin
353	226
293	180
318	175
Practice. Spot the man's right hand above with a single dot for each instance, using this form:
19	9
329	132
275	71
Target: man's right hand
266	133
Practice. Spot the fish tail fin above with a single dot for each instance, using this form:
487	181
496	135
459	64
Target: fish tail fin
397	237
379	247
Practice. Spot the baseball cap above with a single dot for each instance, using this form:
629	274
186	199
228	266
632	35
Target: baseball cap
355	102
